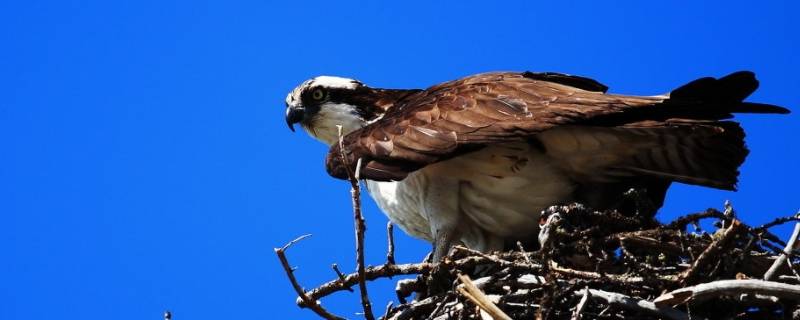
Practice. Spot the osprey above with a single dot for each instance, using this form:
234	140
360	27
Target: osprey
476	160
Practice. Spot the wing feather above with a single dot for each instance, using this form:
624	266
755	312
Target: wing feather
464	115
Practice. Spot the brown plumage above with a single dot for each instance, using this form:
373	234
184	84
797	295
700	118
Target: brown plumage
476	160
685	141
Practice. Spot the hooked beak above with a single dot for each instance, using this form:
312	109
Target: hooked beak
293	115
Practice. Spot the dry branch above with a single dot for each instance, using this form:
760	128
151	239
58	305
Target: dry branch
622	301
791	245
390	243
711	252
585	271
312	304
705	291
472	292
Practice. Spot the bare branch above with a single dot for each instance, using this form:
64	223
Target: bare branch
791	245
387	310
312	304
711	252
340	275
581	304
719	288
630	262
470	291
594	275
500	262
385	271
390	243
625	302
370	273
524	253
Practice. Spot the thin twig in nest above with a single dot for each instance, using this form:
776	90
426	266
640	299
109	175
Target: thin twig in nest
390	243
470	291
791	245
734	288
312	304
623	301
711	253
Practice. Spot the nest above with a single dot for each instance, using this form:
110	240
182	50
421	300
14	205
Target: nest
599	265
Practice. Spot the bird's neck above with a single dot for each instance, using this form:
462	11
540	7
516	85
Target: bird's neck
326	128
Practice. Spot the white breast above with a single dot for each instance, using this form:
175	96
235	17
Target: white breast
500	193
400	201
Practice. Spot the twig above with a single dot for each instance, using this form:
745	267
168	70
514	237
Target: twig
625	302
387	310
312	304
581	304
778	221
439	307
715	289
390	241
497	260
551	222
417	308
340	275
385	271
681	222
360	226
470	291
782	259
793	268
524	253
594	275
711	252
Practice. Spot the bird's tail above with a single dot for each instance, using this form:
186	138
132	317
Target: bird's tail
681	138
718	98
701	154
693	145
707	155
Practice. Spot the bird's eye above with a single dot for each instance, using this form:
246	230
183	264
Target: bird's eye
318	94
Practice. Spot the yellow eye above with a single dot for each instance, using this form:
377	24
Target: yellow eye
318	94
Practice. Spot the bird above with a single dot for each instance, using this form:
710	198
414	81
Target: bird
475	161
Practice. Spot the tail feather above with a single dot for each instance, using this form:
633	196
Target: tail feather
708	155
721	96
734	87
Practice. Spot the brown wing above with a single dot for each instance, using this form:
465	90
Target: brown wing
464	115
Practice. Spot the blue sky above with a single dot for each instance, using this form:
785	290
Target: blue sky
145	164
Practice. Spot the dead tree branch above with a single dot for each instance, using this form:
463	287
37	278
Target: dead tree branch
472	292
705	291
791	245
312	304
390	243
622	301
587	271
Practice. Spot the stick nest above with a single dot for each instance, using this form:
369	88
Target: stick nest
598	265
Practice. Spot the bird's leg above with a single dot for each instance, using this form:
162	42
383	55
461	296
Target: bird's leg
441	209
439	280
443	241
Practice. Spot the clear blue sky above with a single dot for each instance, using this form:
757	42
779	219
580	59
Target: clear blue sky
145	164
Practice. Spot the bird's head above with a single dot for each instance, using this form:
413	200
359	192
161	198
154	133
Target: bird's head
321	104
